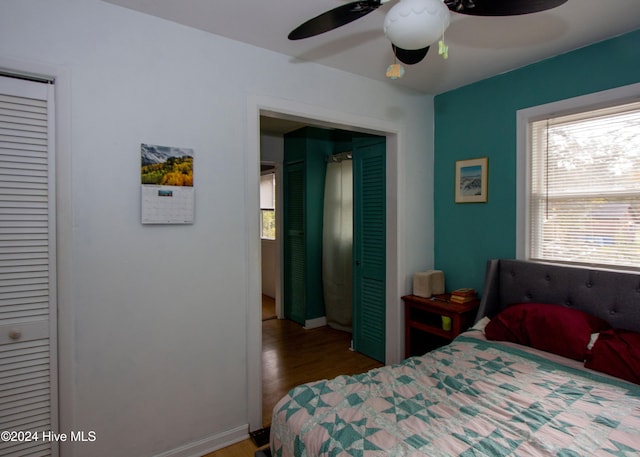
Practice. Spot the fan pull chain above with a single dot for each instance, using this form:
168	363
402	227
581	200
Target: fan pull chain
395	70
443	49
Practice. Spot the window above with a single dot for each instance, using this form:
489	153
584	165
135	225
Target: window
584	187
268	206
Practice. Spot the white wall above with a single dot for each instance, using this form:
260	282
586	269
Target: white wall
154	318
269	267
271	147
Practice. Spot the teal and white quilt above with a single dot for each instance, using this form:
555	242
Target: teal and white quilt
470	398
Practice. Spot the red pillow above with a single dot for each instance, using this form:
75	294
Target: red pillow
616	352
551	328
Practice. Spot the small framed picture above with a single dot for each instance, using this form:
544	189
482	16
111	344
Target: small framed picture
471	180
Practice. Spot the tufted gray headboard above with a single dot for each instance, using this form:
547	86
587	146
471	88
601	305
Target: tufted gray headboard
612	296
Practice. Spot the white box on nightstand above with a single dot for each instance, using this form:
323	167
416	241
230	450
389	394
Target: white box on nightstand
428	283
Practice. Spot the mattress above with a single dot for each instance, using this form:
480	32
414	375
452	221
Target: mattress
472	397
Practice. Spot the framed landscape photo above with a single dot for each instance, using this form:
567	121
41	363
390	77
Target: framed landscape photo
471	180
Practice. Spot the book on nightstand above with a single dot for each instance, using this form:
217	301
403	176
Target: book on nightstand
463	295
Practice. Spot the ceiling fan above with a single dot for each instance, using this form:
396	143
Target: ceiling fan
413	26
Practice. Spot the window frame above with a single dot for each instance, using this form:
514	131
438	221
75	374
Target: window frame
612	97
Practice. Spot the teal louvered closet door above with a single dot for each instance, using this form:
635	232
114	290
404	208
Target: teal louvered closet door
369	291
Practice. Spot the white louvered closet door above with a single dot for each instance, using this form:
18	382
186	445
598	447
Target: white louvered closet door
28	373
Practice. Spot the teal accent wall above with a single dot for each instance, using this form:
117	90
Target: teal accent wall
479	120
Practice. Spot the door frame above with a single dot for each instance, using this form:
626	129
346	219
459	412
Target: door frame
395	220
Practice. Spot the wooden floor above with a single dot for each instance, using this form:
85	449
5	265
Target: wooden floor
268	308
292	355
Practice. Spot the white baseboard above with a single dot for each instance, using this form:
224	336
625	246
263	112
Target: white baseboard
209	443
315	323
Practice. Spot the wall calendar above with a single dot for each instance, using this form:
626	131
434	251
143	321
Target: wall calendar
167	194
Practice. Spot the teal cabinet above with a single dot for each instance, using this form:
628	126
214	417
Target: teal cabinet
305	154
304	169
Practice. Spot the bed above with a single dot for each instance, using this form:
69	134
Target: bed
550	368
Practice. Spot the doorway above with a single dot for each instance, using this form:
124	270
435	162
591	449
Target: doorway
285	110
270	183
324	263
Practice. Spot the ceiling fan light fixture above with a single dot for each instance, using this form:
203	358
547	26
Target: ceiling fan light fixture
410	57
416	24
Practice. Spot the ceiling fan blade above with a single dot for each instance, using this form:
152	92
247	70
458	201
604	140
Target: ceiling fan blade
501	7
334	18
410	57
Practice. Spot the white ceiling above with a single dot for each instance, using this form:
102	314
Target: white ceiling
279	125
479	47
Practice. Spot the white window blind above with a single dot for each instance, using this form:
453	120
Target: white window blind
584	201
267	191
